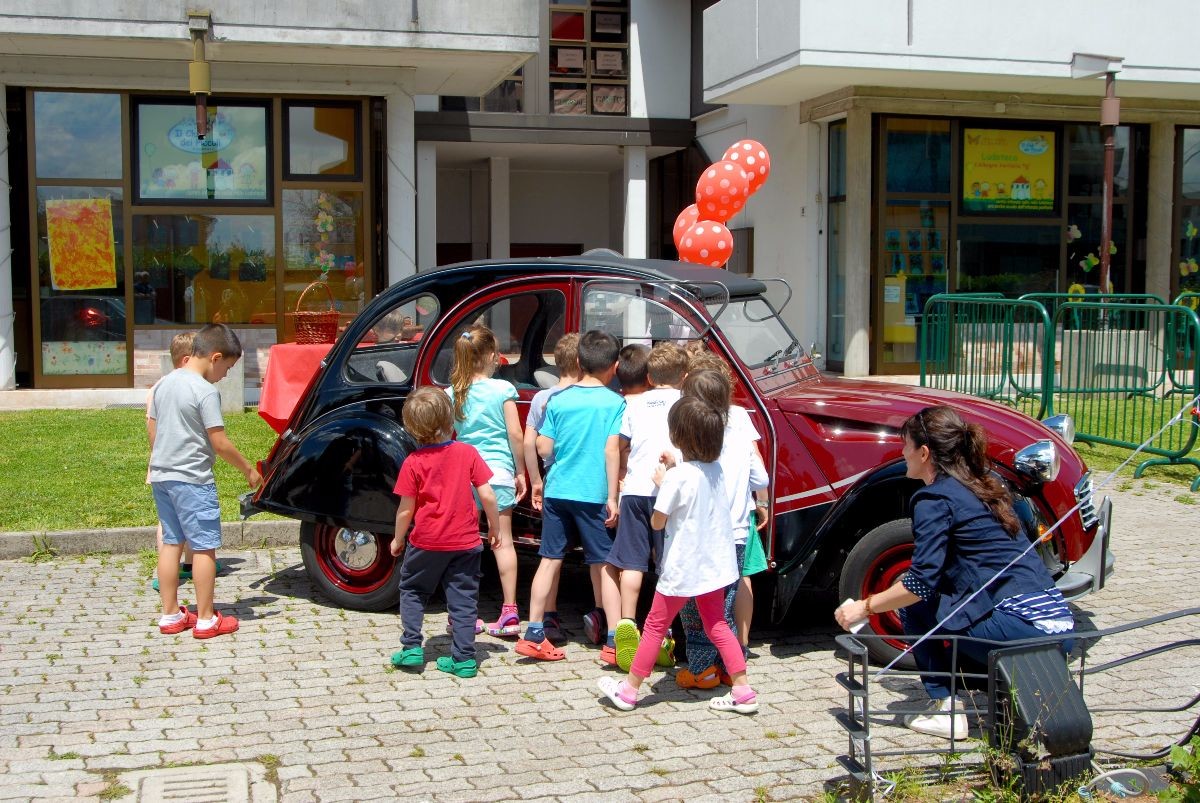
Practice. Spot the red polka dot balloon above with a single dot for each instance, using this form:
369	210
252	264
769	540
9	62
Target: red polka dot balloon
722	191
684	222
707	242
753	158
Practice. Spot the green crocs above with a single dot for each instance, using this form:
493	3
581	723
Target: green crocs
409	658
463	669
666	653
627	640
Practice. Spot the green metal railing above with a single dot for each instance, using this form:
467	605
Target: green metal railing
1120	368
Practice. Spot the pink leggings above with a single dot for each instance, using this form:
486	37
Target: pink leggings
712	614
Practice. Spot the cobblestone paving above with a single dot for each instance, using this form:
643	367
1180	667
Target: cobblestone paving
89	689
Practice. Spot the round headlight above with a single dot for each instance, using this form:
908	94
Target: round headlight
1038	461
1063	425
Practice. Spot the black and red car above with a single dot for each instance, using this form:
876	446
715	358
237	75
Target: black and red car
839	510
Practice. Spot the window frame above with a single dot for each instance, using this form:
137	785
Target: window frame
286	145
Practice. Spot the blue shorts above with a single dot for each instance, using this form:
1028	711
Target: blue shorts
189	512
635	537
565	521
506	497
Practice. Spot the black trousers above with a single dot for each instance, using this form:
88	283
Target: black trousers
458	573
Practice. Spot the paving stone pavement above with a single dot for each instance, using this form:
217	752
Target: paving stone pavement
89	689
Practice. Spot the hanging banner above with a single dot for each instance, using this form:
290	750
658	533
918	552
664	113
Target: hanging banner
82	253
1008	170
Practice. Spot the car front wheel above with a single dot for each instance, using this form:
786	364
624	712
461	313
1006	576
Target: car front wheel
876	563
353	568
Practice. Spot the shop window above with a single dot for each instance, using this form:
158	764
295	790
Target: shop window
78	135
323	242
231	163
1083	247
1189	164
200	268
321	141
914	268
1189	252
589	58
1012	260
835	337
918	155
81	280
1086	161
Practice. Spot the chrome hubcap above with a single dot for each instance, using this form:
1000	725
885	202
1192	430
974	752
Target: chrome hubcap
355	549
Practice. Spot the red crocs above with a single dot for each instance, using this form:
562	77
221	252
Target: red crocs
224	624
186	623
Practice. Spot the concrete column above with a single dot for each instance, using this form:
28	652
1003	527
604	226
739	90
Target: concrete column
499	234
401	187
1160	192
858	243
635	240
426	205
8	353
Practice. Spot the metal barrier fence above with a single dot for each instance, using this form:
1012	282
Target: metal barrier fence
1119	368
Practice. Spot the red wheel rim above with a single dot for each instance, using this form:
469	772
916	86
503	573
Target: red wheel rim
882	574
354	561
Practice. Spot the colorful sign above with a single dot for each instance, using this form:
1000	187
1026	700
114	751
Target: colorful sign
82	254
183	134
1008	170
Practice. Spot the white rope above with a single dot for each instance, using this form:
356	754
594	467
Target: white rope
1174	420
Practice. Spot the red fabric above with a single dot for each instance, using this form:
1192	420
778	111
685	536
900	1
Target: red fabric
290	367
440	478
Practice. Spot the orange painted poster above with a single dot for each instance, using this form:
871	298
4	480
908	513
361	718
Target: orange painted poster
82	253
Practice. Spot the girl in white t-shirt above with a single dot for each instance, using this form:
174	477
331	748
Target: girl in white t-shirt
698	559
485	416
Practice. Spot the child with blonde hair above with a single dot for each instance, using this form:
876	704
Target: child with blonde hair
485	416
434	487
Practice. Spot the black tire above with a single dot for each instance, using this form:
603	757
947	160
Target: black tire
875	563
353	569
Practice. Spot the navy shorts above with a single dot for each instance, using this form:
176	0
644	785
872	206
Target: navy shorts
635	537
566	522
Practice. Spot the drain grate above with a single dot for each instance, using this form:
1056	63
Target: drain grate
217	783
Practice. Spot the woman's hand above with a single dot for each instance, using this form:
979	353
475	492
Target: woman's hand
850	613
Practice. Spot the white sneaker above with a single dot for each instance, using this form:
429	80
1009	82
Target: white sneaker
937	720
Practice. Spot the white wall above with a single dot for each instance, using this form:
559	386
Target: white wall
546	207
784	213
660	72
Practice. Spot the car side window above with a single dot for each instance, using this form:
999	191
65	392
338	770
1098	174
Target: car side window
388	350
630	313
527	326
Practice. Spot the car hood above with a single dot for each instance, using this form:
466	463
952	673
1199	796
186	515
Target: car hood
852	420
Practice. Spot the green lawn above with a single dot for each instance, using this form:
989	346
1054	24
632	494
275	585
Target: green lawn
82	469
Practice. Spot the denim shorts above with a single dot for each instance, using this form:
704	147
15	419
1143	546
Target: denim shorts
565	521
635	537
188	512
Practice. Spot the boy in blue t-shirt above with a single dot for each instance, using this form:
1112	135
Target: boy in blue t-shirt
581	432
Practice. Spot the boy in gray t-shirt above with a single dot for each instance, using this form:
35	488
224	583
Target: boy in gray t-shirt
187	433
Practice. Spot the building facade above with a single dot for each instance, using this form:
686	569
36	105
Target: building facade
126	223
935	146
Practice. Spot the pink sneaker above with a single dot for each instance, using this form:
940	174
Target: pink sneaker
507	625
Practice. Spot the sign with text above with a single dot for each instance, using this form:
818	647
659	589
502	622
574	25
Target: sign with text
1008	170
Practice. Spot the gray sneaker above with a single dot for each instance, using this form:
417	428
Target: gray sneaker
938	718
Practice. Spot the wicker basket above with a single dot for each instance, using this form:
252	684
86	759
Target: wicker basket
315	326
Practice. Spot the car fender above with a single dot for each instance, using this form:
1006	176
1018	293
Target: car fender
341	469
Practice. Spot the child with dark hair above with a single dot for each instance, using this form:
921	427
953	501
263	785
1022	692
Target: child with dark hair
187	434
698	557
581	432
485	416
632	370
434	487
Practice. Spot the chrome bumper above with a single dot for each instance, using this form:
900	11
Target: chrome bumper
1089	573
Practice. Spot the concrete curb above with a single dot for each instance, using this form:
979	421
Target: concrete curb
128	540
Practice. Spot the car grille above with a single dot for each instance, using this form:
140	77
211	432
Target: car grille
1087	506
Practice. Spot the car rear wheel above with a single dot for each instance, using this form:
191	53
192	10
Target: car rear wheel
353	568
875	563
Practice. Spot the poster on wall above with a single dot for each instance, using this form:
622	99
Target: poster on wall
1008	170
80	235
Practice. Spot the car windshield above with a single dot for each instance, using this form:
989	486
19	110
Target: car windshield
756	332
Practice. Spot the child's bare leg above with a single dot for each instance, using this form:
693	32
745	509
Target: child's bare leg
612	604
204	578
544	579
552	599
631	588
506	559
168	577
158	538
610	588
743	611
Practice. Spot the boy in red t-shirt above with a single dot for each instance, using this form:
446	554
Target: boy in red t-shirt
434	487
